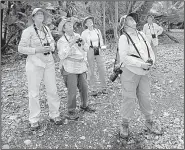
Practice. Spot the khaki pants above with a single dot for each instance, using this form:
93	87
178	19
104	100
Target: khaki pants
72	82
34	75
135	87
101	69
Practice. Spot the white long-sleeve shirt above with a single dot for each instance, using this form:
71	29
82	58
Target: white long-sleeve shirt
88	35
30	41
152	29
74	58
126	49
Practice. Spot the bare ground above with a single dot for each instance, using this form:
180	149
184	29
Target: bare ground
98	130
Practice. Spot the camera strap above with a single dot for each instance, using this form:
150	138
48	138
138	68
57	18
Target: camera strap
146	45
98	39
136	47
133	43
150	28
66	38
36	30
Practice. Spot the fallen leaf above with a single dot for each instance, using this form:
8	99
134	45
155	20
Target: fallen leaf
82	137
166	114
6	147
27	142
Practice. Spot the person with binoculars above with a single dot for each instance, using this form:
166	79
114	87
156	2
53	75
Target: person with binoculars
136	60
72	51
93	38
38	43
152	30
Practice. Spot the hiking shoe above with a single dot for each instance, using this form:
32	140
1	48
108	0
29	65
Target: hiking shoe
72	115
34	126
124	131
57	120
153	127
88	109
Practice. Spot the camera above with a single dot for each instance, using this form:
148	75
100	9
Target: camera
115	74
150	61
96	50
79	42
153	36
47	44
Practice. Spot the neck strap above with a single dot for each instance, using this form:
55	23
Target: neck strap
44	28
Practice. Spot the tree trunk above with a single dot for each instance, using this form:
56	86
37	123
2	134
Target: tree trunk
170	37
2	40
116	20
104	34
129	10
6	24
138	7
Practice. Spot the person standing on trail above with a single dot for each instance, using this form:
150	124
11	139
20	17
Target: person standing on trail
136	62
93	38
72	52
37	42
152	31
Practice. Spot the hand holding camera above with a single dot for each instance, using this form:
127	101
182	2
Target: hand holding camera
80	42
74	40
43	49
153	36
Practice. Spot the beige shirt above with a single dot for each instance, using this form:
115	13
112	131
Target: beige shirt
126	49
30	41
88	36
152	29
74	58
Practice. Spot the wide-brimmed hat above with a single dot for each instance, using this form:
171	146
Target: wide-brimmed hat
46	14
63	22
123	18
85	20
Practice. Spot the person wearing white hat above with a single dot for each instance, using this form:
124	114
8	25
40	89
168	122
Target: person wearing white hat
72	52
136	60
37	42
93	37
152	31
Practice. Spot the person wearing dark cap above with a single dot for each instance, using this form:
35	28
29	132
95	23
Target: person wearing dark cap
93	37
136	60
152	31
72	52
37	42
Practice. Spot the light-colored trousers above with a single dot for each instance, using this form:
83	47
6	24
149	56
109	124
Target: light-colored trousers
91	70
135	87
35	74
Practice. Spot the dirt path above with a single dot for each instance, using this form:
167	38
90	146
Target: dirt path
98	130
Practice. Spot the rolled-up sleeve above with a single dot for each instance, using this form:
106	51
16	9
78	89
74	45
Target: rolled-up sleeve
123	53
63	49
24	44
